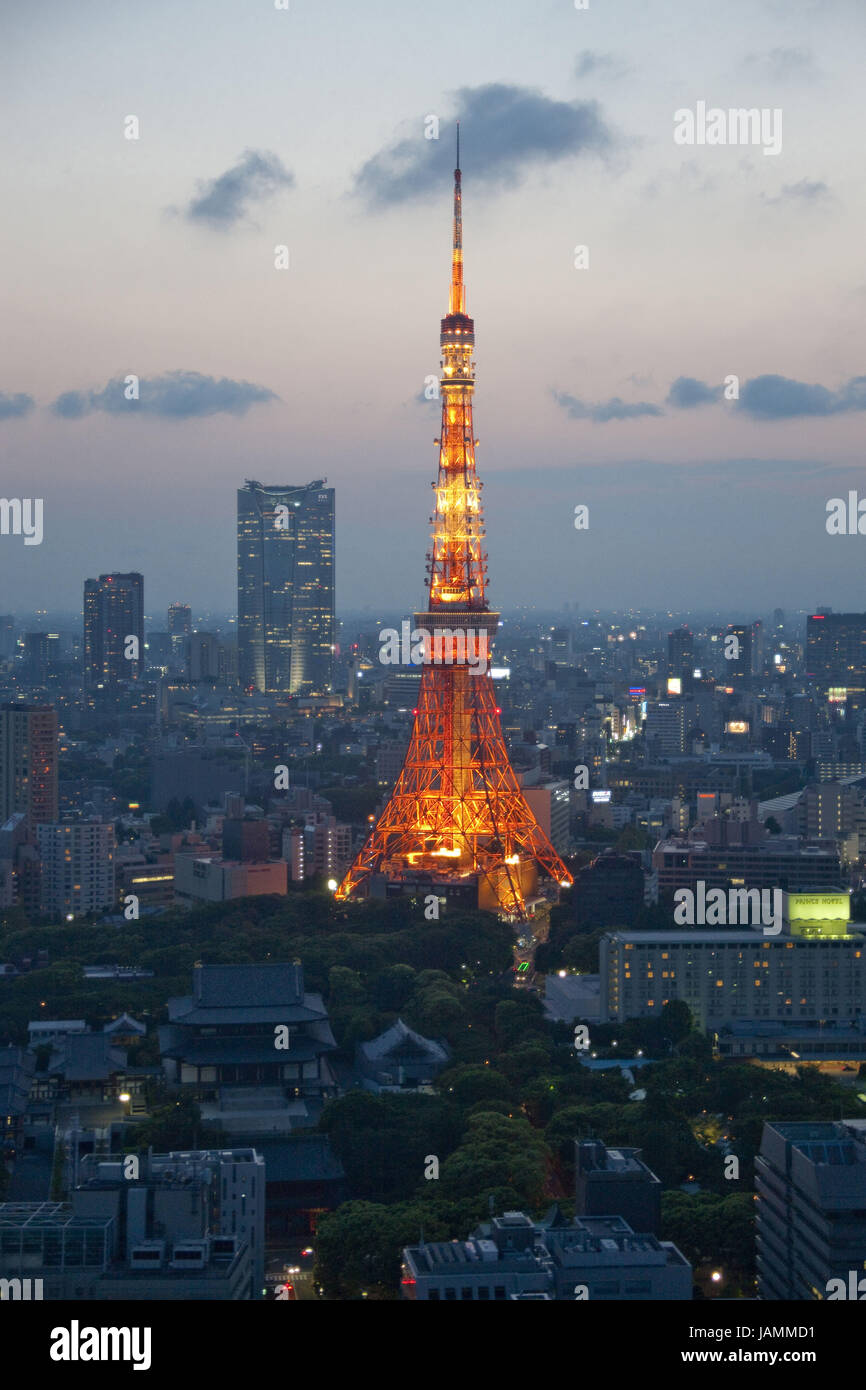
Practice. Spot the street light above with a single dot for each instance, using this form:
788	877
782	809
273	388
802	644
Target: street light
332	885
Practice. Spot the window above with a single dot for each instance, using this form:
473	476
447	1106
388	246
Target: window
466	1294
484	1294
499	1291
433	1296
451	1295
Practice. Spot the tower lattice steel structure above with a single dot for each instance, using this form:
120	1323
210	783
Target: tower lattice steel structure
457	810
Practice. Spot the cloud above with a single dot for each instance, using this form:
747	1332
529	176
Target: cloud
507	130
14	407
781	398
784	63
687	392
603	411
690	176
223	202
172	396
591	63
805	191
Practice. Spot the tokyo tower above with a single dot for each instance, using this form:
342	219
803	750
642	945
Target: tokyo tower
457	811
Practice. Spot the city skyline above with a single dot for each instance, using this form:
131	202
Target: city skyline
600	386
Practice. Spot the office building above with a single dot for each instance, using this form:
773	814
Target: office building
550	803
204	656
739	650
77	868
775	862
113	629
810	1179
323	845
733	974
179	629
204	774
665	728
208	878
286	622
616	1182
836	655
681	657
245	839
28	764
137	1243
224	1197
609	892
596	1258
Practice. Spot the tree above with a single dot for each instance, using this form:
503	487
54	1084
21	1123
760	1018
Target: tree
469	1084
177	1125
500	1156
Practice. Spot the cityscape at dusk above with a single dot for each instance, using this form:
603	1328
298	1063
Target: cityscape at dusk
433	666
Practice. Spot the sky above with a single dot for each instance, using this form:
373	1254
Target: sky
599	384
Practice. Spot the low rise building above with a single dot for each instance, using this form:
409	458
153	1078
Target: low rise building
592	1258
399	1060
211	879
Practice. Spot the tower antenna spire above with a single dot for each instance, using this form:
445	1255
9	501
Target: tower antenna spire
457	298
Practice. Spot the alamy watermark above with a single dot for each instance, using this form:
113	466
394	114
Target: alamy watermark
736	126
22	516
738	907
461	646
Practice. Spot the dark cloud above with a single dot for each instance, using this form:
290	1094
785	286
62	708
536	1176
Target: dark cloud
13	407
687	392
766	397
782	398
805	191
223	202
506	131
603	411
172	396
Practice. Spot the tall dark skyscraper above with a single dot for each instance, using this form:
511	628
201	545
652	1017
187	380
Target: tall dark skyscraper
738	668
286	588
113	614
681	656
179	629
28	763
836	654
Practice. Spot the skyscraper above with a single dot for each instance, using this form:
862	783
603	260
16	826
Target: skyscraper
28	764
738	654
113	616
836	654
681	657
179	629
179	619
286	588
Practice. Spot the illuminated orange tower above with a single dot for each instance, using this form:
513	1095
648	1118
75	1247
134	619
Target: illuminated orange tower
457	811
